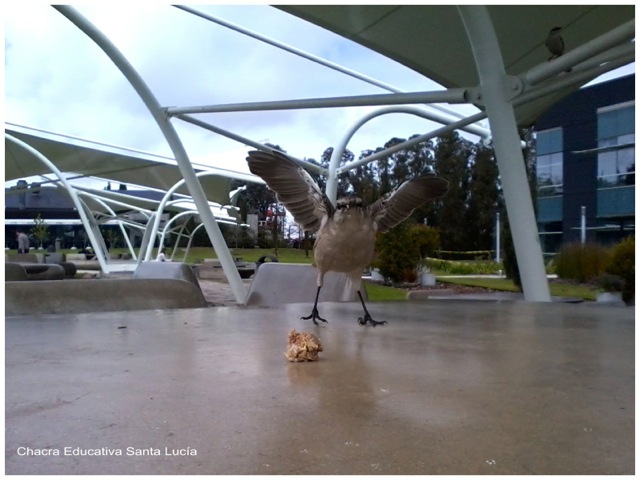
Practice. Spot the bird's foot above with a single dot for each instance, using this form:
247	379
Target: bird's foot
314	317
367	319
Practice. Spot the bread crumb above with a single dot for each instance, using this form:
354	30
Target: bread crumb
303	347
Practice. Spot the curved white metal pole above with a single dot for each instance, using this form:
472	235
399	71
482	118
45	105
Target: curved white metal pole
147	241
577	77
307	56
453	95
619	35
332	187
80	207
143	211
164	202
173	139
246	141
168	225
95	198
496	92
99	248
186	251
336	156
180	234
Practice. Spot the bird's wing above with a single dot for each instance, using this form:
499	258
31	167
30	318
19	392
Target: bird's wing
293	186
396	206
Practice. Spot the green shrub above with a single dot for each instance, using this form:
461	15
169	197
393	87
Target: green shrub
610	283
471	255
465	268
622	262
582	263
399	251
426	239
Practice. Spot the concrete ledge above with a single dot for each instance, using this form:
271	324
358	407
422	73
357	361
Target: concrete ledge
86	264
424	295
213	270
174	270
14	272
43	271
33	271
278	283
103	295
75	257
21	257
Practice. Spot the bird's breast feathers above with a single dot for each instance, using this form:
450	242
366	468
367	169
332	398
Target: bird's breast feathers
345	242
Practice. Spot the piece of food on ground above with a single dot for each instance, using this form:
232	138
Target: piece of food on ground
303	347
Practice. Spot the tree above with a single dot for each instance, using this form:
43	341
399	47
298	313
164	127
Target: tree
452	163
344	188
256	198
40	231
113	237
422	162
362	180
396	255
484	198
401	250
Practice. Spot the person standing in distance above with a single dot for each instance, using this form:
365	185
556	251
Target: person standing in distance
23	241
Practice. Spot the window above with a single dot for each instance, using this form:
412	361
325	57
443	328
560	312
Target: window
616	139
549	162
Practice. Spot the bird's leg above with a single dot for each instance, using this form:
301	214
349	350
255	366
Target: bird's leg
367	318
314	313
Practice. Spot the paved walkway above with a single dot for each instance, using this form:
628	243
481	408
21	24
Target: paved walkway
445	388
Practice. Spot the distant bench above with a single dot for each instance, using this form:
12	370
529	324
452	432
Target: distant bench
25	266
154	285
211	268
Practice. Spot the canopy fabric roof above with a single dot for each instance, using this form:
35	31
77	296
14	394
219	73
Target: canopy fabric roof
432	40
141	202
82	157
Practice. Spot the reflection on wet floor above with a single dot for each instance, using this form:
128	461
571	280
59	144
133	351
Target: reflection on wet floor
445	388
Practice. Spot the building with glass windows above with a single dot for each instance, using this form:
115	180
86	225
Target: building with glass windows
586	166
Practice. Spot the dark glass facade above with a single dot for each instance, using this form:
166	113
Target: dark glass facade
585	149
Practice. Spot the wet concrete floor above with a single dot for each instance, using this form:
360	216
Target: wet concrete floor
457	387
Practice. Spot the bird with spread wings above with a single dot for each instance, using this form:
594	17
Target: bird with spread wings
346	232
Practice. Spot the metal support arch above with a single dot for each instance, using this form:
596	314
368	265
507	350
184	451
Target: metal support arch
336	156
167	225
166	229
496	93
453	95
307	56
165	201
422	138
611	39
180	234
80	207
188	249
173	139
246	141
115	216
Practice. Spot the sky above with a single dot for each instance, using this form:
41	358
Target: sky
58	80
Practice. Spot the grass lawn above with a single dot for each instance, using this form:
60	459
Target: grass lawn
285	255
376	292
381	293
557	289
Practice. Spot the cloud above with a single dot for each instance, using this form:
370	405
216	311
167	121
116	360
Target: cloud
57	79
